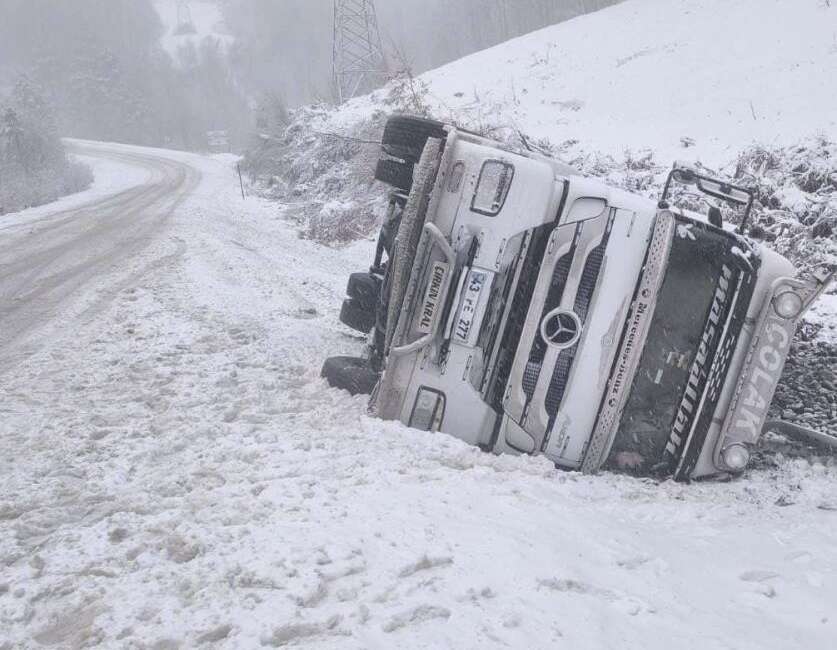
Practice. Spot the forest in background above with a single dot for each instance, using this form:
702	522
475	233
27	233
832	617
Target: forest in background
34	168
101	66
103	70
271	38
97	69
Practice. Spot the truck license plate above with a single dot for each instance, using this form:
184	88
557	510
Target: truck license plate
470	302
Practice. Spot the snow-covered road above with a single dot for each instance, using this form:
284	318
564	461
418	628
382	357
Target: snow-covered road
173	473
48	263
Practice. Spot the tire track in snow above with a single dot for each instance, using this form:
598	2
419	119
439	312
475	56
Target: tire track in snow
49	265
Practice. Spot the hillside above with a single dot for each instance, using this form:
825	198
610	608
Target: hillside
722	75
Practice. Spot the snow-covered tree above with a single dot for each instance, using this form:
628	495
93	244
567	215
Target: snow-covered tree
34	167
109	78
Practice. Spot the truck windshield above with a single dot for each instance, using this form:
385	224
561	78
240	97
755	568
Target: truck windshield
701	288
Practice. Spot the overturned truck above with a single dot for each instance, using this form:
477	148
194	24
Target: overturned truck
524	308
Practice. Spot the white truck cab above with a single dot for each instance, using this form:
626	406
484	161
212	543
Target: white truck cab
527	309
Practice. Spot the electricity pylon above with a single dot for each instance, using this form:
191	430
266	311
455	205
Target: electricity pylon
358	56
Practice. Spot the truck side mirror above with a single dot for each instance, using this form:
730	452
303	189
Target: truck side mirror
719	189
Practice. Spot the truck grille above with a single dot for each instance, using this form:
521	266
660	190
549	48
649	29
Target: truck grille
553	301
517	315
698	307
583	300
590	278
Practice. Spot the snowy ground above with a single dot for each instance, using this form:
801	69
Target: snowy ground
111	177
173	473
824	314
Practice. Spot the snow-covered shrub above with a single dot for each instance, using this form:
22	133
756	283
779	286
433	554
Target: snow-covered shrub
795	211
341	221
322	175
407	93
796	189
315	165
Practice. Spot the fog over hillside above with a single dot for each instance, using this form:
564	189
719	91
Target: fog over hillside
118	70
167	73
102	68
273	37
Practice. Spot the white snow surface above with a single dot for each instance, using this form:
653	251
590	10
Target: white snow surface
110	177
644	74
176	474
824	314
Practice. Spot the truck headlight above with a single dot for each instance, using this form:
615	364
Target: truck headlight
428	409
788	305
736	456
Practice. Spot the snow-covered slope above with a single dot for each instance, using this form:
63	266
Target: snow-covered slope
649	73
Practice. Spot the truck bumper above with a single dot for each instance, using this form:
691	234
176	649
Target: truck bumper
769	348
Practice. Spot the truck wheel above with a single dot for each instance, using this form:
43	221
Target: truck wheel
397	174
405	136
353	314
365	288
350	374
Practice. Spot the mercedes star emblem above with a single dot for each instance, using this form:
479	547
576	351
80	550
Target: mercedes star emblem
561	328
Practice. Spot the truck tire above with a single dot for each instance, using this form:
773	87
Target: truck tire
405	136
364	288
351	374
394	173
357	316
